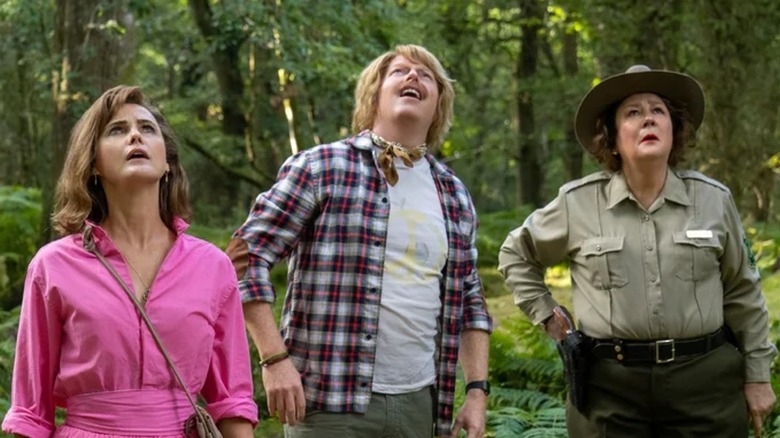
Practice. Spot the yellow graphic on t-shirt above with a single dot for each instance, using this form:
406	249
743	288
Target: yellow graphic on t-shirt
422	252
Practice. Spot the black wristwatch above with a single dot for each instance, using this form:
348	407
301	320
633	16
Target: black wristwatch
484	385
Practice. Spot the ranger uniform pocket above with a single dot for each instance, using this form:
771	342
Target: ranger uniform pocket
605	262
697	257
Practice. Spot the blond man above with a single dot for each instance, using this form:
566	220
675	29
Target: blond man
383	295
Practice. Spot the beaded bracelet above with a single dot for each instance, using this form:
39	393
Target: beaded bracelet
274	358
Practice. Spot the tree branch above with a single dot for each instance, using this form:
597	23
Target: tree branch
242	176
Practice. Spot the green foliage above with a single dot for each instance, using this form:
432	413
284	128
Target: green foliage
298	70
493	230
26	64
527	400
771	286
772	423
765	240
20	216
531	364
492	282
526	373
218	236
511	422
9	322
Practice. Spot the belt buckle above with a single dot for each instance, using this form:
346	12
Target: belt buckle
660	346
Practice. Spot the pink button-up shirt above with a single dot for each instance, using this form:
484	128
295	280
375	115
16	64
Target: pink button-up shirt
83	346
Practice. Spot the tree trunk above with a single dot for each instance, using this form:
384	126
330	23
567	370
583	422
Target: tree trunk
23	171
530	173
727	76
632	32
225	60
91	57
573	153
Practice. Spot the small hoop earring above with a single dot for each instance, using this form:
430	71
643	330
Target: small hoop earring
94	179
166	177
614	152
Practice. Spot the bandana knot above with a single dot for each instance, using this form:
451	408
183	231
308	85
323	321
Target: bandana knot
390	150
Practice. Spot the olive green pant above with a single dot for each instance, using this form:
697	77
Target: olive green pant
389	416
699	397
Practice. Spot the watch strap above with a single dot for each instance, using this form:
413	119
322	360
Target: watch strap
484	385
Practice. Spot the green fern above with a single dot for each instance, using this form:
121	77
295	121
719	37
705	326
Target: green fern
523	357
506	422
529	400
511	421
551	418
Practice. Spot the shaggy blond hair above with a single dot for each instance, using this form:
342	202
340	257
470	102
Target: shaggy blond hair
79	197
367	92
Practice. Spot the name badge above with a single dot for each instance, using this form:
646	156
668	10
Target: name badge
698	234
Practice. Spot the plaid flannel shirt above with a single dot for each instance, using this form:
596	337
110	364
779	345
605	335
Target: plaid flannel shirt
328	212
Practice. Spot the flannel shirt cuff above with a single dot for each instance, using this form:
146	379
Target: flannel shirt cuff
253	289
479	321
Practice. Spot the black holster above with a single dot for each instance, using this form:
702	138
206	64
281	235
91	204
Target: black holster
575	354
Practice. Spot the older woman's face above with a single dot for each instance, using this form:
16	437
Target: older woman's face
644	130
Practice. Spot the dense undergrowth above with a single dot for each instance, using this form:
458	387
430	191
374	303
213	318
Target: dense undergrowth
526	374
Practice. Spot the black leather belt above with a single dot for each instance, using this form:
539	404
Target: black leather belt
660	351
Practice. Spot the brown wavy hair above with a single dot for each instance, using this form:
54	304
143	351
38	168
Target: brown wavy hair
605	141
79	197
367	92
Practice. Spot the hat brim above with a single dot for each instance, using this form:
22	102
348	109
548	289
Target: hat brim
677	87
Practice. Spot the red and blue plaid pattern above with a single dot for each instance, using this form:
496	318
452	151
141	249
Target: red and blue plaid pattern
328	213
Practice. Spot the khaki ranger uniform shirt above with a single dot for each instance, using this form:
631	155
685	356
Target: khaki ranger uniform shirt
680	269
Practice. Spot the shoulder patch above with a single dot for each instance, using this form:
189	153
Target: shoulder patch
750	254
586	180
698	176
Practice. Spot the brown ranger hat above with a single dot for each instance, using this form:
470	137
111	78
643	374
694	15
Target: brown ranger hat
677	87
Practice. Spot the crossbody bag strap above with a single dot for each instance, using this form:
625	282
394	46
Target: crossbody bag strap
89	245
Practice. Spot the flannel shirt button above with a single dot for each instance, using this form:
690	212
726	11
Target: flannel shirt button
377	243
372	290
363	385
368	337
384	200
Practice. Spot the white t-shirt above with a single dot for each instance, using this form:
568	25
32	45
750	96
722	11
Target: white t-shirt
415	256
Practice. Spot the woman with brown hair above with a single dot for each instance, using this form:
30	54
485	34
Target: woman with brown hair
83	344
665	288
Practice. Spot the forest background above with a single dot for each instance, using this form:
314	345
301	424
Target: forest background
247	83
